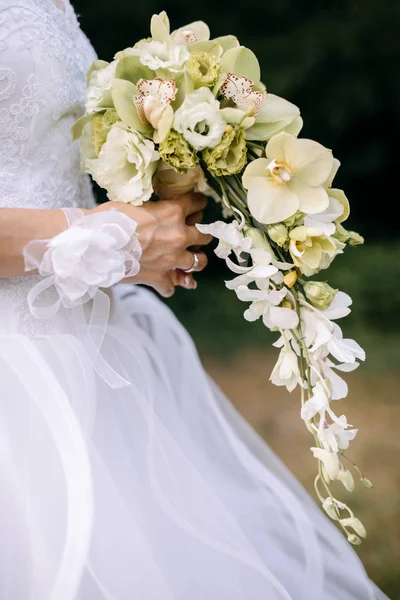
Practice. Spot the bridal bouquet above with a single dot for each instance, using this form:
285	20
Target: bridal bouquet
179	111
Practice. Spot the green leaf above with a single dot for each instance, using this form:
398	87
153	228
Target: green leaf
131	69
242	62
77	127
122	94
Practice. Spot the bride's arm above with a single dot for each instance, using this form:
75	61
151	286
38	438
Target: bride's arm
162	229
18	226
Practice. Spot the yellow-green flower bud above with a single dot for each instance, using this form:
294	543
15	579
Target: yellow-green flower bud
294	220
367	482
259	239
348	237
101	125
278	234
204	69
319	294
347	479
229	156
290	279
355	239
177	153
353	539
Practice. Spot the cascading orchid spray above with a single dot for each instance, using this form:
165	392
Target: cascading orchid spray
180	111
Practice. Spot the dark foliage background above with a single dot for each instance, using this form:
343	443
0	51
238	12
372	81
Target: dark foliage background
338	60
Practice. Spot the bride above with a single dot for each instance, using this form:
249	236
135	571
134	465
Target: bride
124	472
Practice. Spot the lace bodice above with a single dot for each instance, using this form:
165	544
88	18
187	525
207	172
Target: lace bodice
44	58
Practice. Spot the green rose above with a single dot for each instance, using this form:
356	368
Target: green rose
177	152
204	69
229	156
101	125
320	294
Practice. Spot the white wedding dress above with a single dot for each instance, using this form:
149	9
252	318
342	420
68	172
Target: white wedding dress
156	490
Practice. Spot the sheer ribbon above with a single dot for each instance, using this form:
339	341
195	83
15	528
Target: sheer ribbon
96	251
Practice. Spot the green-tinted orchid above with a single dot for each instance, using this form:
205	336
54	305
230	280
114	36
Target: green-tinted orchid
131	69
274	116
123	93
242	62
191	34
227	42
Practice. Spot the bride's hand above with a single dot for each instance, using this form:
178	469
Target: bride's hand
166	230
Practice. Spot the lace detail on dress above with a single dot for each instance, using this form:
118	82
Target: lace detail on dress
44	58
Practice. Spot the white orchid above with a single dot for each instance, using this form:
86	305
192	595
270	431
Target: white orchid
199	120
231	238
329	459
318	404
338	386
336	436
265	304
286	371
291	178
261	269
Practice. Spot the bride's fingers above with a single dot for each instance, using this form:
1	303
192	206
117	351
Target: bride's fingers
185	280
192	203
165	285
195	218
188	261
196	238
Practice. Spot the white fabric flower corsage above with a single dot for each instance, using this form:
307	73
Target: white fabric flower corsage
96	251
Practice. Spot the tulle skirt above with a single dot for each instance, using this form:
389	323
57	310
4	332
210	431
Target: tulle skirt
157	490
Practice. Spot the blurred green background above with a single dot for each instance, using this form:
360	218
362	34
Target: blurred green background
339	62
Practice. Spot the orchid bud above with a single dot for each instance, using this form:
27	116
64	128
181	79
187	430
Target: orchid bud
355	524
319	294
290	279
346	478
353	539
367	482
259	239
278	234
